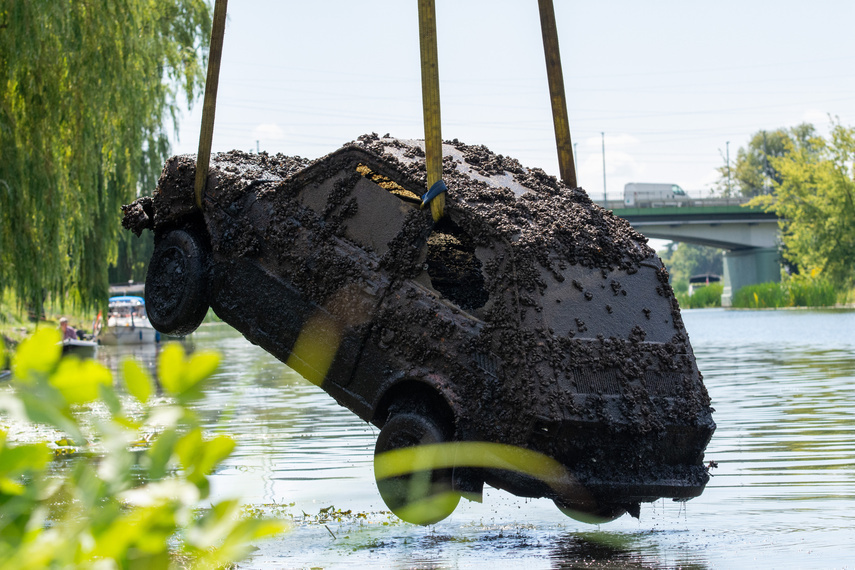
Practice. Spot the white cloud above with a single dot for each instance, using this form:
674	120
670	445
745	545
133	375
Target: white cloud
268	132
818	118
622	164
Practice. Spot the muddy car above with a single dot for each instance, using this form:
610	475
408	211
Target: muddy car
528	321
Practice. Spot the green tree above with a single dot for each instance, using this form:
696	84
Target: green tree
87	90
815	201
686	259
132	261
754	172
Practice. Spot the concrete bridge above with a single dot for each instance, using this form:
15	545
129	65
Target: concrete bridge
749	236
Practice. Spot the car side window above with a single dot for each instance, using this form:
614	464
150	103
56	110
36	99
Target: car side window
364	212
454	269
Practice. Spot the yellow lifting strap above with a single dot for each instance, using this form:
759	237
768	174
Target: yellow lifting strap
209	107
430	101
566	164
430	104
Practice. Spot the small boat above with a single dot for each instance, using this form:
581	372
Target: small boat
81	348
126	323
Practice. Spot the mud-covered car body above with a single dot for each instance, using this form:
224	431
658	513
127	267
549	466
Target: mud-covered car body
529	316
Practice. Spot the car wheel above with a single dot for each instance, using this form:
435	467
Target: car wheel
420	497
592	514
176	284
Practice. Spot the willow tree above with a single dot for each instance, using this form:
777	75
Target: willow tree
87	93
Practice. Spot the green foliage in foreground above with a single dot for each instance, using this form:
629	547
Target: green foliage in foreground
794	292
703	298
128	492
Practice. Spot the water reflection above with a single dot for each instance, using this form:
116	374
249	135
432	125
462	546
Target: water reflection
782	383
609	550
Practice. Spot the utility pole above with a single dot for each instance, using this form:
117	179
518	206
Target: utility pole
766	176
605	196
257	148
549	31
576	153
727	148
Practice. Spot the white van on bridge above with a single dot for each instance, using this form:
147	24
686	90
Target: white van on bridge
644	195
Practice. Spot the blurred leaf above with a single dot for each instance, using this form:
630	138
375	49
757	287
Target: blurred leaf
10	487
24	458
167	492
215	525
160	453
170	368
214	452
109	397
222	535
79	381
200	367
182	377
118	508
199	458
146	528
37	354
137	380
127	423
189	449
42	409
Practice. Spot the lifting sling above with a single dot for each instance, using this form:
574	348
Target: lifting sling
436	188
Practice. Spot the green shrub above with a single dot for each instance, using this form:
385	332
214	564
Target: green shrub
681	286
703	297
127	491
707	296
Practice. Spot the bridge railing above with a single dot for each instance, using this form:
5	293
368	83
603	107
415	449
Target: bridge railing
716	202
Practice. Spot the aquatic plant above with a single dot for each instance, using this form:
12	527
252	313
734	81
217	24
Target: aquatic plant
122	487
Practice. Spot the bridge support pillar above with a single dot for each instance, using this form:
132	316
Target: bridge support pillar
747	267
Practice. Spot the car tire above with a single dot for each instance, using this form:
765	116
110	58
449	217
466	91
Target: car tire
419	497
176	284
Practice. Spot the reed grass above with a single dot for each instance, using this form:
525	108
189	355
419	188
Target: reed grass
793	292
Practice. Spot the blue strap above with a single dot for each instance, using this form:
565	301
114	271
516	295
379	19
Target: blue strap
438	188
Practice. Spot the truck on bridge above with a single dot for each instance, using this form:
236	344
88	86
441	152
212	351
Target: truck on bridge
645	195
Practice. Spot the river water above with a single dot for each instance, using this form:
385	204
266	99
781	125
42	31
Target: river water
782	496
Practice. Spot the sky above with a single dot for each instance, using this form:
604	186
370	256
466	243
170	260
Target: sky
667	87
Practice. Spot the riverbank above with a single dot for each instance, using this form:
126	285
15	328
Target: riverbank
16	324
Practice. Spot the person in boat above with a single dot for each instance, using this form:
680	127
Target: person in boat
68	332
